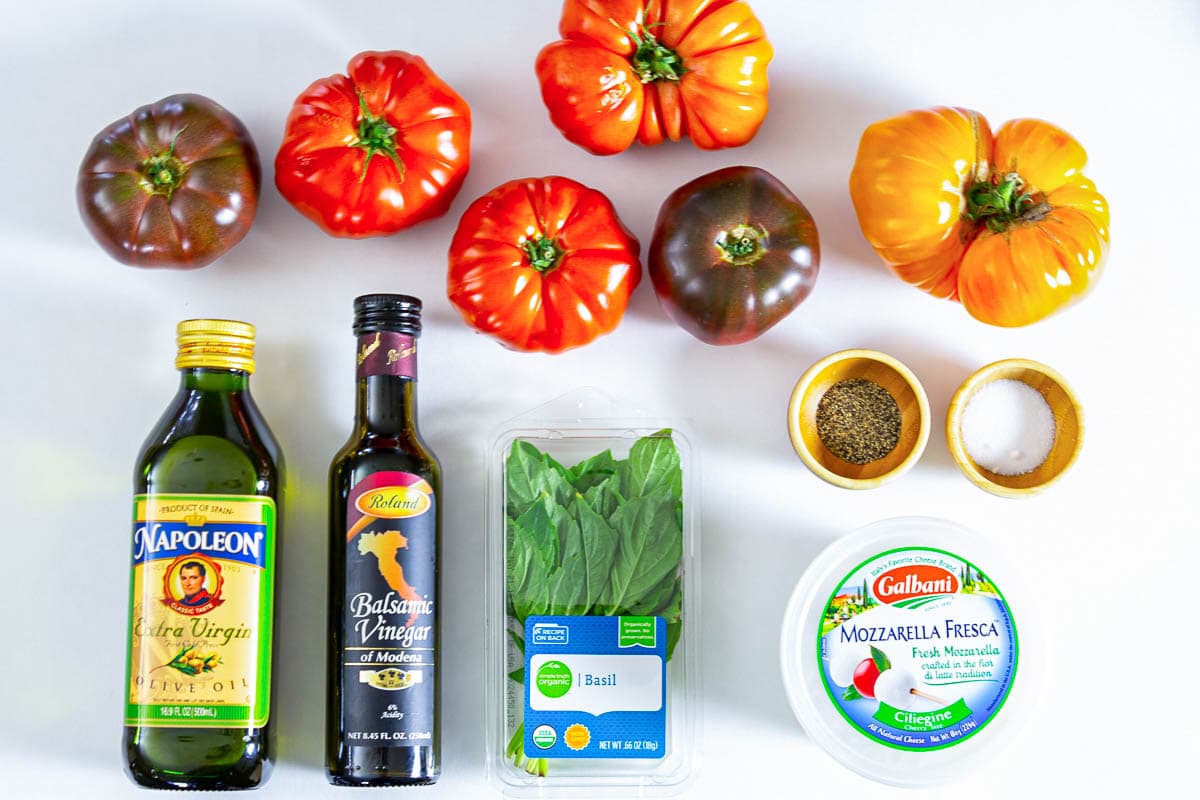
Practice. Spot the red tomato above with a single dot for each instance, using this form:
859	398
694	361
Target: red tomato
649	70
542	264
377	150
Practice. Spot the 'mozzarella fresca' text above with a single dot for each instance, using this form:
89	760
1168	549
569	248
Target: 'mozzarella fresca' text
916	633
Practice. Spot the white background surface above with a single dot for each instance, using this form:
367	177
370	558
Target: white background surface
88	345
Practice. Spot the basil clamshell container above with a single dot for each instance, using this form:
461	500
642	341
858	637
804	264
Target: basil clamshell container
593	602
909	651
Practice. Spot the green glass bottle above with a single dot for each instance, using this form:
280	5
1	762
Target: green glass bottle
205	528
382	717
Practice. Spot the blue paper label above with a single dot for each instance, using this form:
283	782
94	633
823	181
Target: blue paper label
595	687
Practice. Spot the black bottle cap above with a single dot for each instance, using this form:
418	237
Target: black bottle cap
400	313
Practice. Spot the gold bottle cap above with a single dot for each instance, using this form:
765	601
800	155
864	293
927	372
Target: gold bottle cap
216	344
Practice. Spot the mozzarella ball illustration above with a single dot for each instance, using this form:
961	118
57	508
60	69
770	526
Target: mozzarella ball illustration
843	662
894	687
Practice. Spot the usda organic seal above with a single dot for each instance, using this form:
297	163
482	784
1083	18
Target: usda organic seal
544	737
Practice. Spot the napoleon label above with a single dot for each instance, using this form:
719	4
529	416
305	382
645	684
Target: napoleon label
201	599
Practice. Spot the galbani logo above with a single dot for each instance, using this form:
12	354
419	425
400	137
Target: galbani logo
394	502
919	580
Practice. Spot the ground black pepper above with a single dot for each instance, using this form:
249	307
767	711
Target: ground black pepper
858	421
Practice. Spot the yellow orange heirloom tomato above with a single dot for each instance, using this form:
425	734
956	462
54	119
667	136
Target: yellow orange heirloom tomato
1005	223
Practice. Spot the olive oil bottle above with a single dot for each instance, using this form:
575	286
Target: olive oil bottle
205	528
382	719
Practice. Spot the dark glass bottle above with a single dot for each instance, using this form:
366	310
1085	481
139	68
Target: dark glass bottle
205	529
382	715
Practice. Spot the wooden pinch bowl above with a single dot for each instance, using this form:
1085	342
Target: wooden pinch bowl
1068	427
884	370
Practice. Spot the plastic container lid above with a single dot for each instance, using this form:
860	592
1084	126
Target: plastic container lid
901	651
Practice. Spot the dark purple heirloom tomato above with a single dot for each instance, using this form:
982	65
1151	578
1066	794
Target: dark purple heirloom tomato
733	253
174	184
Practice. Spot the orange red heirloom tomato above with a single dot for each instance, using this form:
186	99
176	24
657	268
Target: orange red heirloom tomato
542	264
382	148
1005	223
663	69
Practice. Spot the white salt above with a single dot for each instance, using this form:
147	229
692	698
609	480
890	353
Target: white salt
1008	427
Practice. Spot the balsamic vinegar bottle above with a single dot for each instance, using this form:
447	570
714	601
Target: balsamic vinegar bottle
382	716
198	682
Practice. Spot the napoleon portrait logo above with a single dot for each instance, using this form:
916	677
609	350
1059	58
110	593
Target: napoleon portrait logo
192	585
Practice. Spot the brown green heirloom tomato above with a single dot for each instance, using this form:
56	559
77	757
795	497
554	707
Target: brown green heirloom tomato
174	184
733	253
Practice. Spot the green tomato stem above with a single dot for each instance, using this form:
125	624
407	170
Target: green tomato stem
1004	202
742	244
653	61
376	135
543	253
164	173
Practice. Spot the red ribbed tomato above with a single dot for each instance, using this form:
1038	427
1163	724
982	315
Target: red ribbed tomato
663	69
542	264
377	150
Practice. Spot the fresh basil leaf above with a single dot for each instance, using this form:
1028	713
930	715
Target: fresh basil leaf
517	640
851	693
523	478
665	601
603	537
561	486
673	610
528	474
653	464
568	590
650	548
880	658
604	498
542	532
535	546
568	580
601	462
516	559
517	675
674	630
535	597
599	547
656	600
593	471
